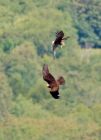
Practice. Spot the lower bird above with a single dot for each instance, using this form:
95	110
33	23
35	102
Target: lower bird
59	40
53	84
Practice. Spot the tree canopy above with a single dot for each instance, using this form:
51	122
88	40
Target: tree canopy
27	110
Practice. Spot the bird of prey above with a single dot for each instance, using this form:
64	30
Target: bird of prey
59	40
53	84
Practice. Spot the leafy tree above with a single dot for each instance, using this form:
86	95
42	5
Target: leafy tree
21	70
87	21
5	97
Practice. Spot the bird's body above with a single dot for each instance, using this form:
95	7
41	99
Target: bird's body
58	41
53	84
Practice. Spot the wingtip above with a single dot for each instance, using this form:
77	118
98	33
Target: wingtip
55	94
61	80
45	65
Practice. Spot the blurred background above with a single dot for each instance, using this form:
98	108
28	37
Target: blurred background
27	110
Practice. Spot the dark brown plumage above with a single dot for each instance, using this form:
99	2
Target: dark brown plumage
53	84
59	40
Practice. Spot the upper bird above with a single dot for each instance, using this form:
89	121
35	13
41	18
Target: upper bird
59	40
53	84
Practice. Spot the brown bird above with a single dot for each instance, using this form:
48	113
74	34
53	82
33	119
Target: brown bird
53	84
58	41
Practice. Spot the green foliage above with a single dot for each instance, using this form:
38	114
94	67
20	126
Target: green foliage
87	21
22	70
27	110
5	97
7	45
24	107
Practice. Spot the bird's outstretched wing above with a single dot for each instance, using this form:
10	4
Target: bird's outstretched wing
59	36
48	77
61	80
65	38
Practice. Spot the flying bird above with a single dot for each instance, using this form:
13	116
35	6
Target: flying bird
59	40
53	84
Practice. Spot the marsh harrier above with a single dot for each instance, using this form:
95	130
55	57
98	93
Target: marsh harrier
59	40
53	84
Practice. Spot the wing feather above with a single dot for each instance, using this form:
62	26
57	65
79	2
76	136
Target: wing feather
65	38
48	77
61	80
59	36
55	94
